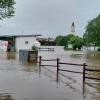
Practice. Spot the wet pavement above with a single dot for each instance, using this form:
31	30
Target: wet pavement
28	81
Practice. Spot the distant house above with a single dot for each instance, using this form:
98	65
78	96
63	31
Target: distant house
70	46
17	42
46	41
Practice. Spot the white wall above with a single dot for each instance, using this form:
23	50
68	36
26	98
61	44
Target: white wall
91	48
20	43
70	46
3	45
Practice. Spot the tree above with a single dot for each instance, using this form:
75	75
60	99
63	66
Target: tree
6	8
92	33
69	36
61	40
77	42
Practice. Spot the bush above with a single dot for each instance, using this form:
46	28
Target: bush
98	49
74	46
34	47
66	47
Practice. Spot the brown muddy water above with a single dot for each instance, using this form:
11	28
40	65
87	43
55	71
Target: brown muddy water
28	81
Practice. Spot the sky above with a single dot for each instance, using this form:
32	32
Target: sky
50	17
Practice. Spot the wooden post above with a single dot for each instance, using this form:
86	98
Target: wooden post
84	68
57	69
84	65
58	65
40	60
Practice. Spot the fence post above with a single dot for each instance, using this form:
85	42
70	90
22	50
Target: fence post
84	65
57	69
40	60
58	65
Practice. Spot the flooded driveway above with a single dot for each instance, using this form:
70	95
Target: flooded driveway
27	81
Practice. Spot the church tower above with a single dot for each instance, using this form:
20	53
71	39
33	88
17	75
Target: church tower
73	28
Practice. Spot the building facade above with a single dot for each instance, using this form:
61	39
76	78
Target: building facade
46	41
17	42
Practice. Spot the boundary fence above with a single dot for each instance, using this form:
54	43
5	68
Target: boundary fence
90	70
59	63
46	49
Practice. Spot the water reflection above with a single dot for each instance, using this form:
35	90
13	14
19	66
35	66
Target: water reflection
30	67
77	56
93	55
28	80
60	78
6	96
89	92
85	90
11	55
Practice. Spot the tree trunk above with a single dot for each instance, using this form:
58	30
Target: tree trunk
94	47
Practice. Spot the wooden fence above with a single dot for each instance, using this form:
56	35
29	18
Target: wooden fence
59	63
46	49
89	70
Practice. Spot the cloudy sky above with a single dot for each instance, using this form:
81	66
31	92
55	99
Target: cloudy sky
50	17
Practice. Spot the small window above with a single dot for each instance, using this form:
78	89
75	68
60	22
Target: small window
26	42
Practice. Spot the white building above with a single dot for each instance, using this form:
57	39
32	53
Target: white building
17	42
72	30
3	45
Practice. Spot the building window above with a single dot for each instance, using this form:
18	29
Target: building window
26	42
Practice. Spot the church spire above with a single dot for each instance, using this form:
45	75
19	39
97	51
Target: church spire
73	28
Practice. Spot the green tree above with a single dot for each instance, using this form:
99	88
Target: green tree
92	33
69	36
6	8
77	42
61	40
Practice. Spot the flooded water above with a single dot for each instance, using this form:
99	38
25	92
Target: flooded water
28	81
